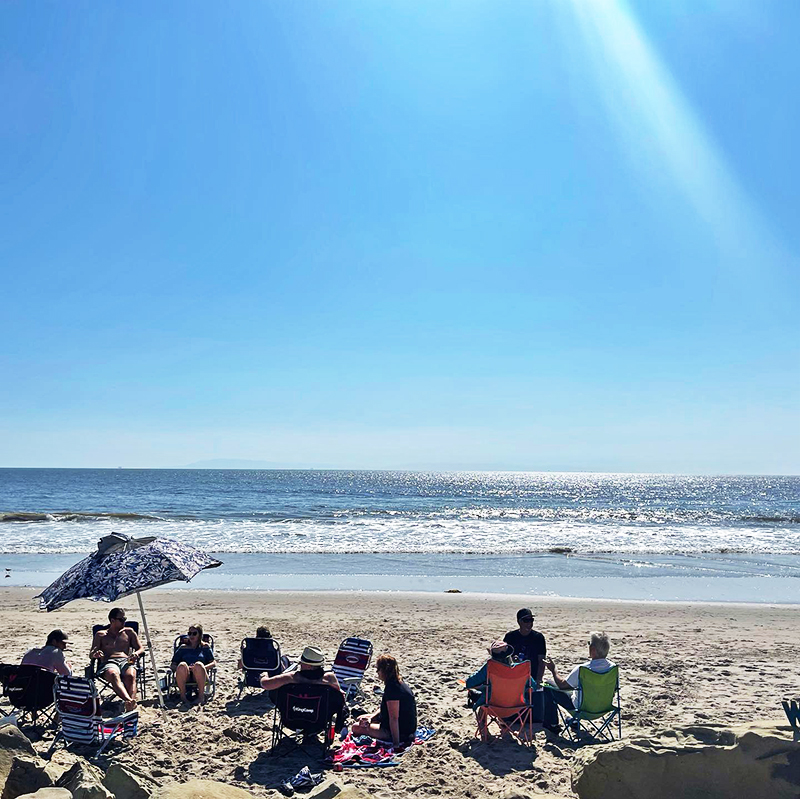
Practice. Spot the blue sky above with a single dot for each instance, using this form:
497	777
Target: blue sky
530	235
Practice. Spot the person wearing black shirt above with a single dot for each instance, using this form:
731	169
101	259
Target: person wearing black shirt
396	721
529	644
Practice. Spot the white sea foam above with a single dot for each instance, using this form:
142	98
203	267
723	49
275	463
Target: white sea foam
393	534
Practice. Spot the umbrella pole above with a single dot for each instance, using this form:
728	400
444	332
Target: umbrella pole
152	655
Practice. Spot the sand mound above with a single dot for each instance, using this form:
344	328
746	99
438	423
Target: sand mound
693	763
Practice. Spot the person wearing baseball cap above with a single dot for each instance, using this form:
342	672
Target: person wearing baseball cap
528	644
51	655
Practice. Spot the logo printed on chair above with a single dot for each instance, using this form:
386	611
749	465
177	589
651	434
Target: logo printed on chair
298	709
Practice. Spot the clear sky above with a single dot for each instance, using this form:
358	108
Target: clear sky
546	234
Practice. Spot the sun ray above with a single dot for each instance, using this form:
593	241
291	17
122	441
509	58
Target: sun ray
663	134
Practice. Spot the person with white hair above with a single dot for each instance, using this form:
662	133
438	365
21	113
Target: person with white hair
598	662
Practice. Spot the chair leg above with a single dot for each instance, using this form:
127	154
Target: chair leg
107	739
572	726
49	753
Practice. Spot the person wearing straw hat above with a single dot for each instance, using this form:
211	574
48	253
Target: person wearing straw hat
311	670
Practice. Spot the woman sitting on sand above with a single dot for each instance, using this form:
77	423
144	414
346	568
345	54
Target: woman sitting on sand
396	721
194	658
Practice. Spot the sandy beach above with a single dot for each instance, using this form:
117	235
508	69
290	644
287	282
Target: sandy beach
680	664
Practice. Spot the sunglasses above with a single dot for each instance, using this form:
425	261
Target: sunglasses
193	633
527	619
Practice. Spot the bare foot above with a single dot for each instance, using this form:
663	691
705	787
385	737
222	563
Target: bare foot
130	704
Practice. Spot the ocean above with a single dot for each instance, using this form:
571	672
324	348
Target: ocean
622	536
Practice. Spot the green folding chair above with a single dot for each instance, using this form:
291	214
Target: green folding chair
597	709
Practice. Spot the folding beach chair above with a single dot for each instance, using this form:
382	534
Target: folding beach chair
258	655
349	665
597	709
139	665
80	719
307	711
171	686
509	697
30	690
791	707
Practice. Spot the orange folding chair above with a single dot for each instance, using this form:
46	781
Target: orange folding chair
508	702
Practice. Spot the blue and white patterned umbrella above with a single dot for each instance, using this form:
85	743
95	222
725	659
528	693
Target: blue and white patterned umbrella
123	566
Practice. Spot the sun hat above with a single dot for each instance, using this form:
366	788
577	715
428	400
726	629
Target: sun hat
312	656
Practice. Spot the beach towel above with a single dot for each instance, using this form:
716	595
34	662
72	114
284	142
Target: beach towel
365	752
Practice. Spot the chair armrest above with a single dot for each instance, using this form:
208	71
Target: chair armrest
556	688
121	719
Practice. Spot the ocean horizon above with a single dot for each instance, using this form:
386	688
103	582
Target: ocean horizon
622	536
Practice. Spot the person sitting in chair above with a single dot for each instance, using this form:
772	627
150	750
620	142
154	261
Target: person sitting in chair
598	662
312	669
51	655
477	683
194	658
396	721
261	632
117	648
529	644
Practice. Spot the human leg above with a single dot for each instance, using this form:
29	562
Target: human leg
129	680
552	699
373	729
201	677
111	674
181	675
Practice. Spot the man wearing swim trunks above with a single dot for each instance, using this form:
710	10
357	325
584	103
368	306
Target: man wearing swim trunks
117	648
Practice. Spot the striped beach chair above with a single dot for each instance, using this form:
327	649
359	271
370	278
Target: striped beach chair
351	661
80	720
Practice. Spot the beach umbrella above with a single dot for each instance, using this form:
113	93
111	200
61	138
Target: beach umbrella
122	566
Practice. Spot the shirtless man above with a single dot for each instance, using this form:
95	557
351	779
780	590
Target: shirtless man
118	647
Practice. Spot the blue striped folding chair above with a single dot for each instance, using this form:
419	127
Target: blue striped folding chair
80	720
351	661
